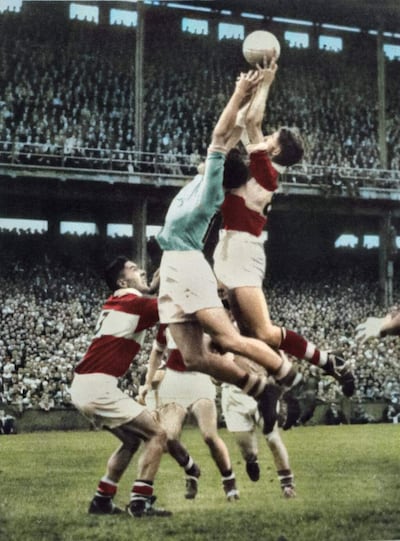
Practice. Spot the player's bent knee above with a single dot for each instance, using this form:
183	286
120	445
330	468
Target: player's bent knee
161	437
210	440
233	342
273	437
268	336
197	362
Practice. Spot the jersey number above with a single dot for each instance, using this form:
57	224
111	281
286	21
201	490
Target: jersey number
100	321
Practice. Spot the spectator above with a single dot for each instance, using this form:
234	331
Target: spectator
334	415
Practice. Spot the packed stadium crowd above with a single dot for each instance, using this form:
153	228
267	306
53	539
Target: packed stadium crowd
51	294
77	108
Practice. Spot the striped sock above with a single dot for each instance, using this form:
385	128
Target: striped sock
286	478
254	385
299	347
142	490
106	488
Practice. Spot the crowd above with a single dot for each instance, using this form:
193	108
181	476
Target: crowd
51	297
77	108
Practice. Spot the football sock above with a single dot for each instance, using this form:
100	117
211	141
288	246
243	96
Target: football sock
252	385
106	488
286	478
191	469
284	369
229	485
299	347
142	490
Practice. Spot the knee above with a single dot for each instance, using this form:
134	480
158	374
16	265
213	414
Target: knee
270	334
131	446
250	456
229	342
195	361
273	438
160	437
211	440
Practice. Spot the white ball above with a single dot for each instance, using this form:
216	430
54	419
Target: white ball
258	44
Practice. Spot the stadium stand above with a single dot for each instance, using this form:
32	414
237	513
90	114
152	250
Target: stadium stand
76	109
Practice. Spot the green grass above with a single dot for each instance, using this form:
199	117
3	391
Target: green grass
347	478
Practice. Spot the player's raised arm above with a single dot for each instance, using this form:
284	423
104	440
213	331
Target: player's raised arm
225	125
379	327
256	111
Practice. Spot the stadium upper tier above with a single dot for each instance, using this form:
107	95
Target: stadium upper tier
74	89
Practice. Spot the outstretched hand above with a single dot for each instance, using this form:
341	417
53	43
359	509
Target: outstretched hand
143	390
247	82
371	328
268	69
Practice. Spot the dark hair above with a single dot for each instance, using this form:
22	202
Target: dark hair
113	271
292	147
236	172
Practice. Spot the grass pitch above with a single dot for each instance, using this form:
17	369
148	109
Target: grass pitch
347	479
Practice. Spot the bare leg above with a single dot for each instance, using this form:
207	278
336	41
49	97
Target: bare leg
155	440
278	449
206	416
189	338
172	417
281	459
249	306
142	427
248	445
217	324
250	310
120	459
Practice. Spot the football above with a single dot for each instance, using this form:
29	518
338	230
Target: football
259	44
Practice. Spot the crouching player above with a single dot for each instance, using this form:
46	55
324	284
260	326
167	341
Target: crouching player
182	392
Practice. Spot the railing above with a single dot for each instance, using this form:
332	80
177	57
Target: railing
332	179
337	177
95	158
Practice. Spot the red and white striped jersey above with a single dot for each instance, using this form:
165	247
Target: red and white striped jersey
242	209
119	334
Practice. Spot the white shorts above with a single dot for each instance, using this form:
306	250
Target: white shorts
187	285
99	399
239	259
240	410
183	388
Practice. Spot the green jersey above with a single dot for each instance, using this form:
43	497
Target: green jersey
191	210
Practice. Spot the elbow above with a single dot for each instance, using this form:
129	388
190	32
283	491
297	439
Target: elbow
252	121
219	137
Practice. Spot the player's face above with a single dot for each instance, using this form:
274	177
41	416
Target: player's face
273	146
134	276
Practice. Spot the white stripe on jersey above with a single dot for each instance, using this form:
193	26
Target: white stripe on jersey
120	325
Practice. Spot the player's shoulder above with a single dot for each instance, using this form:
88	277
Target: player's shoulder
131	302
